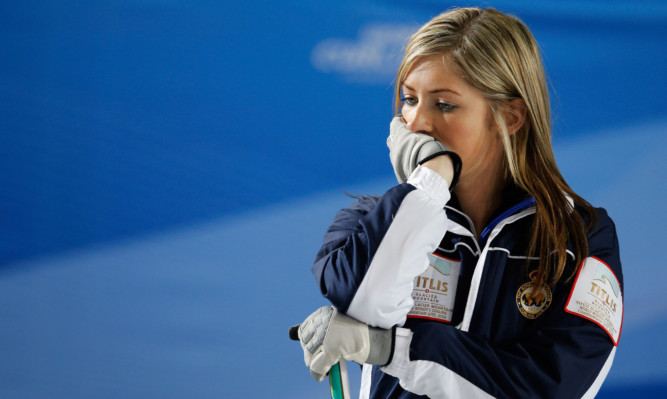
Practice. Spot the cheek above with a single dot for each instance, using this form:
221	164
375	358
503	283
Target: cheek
459	134
472	141
407	113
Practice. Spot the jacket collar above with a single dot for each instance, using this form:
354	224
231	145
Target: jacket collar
514	199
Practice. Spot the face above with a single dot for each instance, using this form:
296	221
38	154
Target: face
438	102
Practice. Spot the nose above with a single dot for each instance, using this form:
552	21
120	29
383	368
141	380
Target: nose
418	120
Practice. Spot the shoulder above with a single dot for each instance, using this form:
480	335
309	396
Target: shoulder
348	218
603	240
390	199
602	231
364	203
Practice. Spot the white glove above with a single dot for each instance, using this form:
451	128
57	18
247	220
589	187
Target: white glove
327	336
408	149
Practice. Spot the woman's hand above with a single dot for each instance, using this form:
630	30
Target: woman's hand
327	336
408	149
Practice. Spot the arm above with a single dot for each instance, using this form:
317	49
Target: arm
374	250
566	355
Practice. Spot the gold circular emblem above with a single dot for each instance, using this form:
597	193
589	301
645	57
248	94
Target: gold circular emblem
532	304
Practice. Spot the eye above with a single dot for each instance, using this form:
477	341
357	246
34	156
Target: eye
446	107
409	101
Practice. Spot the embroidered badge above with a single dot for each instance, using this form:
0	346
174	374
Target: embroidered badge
532	303
596	295
434	290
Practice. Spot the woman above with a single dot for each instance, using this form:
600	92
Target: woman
514	288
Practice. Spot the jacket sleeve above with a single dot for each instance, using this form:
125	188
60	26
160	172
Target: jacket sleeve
373	250
567	355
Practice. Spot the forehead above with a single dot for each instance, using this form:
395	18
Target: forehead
433	72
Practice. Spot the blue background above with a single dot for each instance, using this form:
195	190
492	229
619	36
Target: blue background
169	168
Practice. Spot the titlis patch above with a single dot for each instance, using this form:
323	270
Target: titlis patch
532	303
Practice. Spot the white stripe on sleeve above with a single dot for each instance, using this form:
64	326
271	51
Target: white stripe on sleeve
593	390
423	377
366	376
384	296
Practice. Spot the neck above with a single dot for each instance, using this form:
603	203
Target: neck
480	198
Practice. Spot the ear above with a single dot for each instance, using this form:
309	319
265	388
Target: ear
514	112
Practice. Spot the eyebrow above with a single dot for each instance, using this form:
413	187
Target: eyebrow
434	91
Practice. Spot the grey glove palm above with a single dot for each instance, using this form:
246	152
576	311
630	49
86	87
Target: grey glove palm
327	336
408	149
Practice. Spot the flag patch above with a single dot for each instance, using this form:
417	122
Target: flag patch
596	295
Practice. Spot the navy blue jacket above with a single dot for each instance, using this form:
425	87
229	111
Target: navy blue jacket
385	261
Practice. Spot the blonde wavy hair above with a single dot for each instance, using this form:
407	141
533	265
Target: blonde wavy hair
497	54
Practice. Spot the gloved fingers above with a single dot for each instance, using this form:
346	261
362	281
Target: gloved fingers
397	132
308	356
307	329
404	147
397	122
306	332
321	363
314	328
317	377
